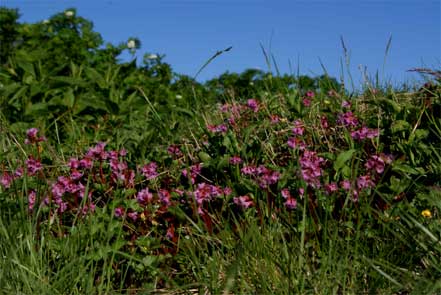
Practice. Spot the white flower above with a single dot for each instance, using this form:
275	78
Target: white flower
152	56
46	21
69	13
131	44
178	96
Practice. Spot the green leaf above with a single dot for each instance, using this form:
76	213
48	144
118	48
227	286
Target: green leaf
69	81
400	125
37	109
204	157
406	169
69	98
342	158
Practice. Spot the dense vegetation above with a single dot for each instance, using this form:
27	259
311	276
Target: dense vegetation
125	177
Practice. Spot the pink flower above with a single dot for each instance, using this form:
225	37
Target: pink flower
62	207
307	102
290	203
18	172
74	163
253	105
249	170
227	191
235	160
119	211
375	163
310	168
285	193
268	178
206	192
86	163
31	199
299	128
310	94
149	170
88	208
364	132
174	150
348	119
132	215
295	142
32	138
164	197
331	188
6	180
222	128
123	152
195	170
346	104
346	185
243	201
365	181
144	196
33	165
32	133
97	152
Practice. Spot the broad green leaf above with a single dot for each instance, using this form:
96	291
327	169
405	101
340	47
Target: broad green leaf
342	158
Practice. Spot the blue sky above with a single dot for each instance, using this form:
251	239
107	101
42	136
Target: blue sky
298	33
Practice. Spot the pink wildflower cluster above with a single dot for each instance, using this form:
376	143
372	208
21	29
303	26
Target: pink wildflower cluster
120	170
149	170
235	160
346	104
97	152
348	119
222	128
70	187
299	128
206	192
144	196
310	168
6	178
264	176
33	165
32	138
194	170
362	182
330	188
32	197
307	100
244	202
364	133
296	143
174	150
290	201
377	163
253	105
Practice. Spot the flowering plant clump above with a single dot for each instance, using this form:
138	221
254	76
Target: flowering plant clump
253	161
100	177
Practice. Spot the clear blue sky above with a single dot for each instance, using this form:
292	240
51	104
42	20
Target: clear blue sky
300	33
